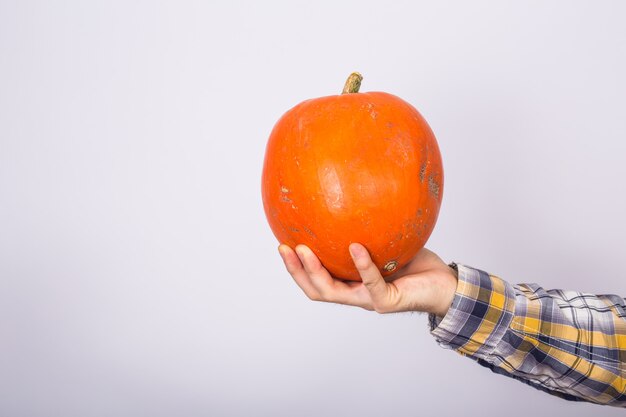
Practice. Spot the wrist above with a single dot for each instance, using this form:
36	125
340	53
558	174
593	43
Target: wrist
446	289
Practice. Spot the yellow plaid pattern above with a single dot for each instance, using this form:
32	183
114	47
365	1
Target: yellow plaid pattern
567	343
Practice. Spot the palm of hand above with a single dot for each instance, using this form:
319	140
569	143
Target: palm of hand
426	283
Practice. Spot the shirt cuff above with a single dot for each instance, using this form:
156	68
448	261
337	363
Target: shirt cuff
480	314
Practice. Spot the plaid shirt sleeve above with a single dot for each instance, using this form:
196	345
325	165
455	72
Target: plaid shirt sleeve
569	344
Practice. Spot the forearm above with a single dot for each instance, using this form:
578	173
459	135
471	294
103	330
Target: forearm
570	344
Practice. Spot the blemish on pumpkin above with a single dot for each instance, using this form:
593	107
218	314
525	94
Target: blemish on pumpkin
285	199
284	189
422	171
433	187
282	226
310	232
370	108
294	229
390	266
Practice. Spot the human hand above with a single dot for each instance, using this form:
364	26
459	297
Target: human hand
425	284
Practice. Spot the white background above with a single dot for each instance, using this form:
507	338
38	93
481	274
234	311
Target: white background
138	275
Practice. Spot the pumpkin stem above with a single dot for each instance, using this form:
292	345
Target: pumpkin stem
353	83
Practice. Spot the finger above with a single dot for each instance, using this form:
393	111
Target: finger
331	289
297	272
384	296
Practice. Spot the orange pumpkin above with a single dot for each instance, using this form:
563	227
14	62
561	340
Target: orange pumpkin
355	167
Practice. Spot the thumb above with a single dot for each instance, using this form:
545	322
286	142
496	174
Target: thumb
371	276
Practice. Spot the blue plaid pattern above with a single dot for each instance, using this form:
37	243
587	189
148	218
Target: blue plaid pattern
566	343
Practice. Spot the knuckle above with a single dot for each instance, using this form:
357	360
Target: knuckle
323	293
292	268
381	308
315	268
370	284
314	297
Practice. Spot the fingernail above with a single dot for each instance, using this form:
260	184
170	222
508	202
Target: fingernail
355	251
